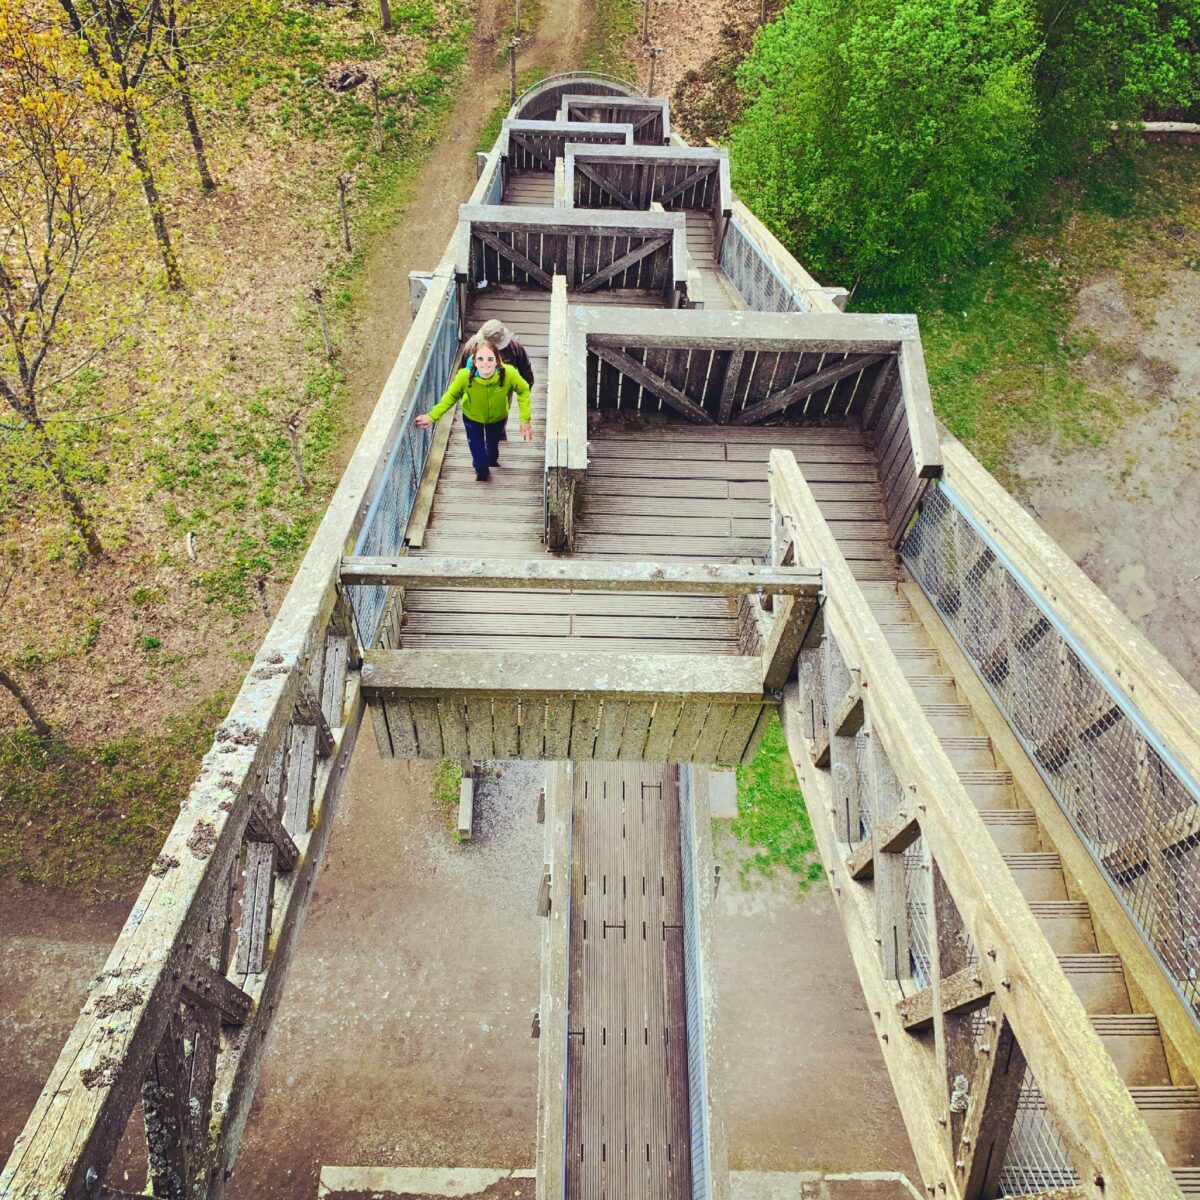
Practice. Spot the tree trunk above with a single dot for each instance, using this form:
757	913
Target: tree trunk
137	152
180	71
18	694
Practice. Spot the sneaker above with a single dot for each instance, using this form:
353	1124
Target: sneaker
481	476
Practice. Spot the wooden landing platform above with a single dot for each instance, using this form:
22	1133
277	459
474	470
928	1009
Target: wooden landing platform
627	1082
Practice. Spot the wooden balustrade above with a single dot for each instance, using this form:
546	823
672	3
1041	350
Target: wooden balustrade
650	117
537	145
865	822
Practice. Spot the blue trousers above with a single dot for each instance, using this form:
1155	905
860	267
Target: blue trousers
484	441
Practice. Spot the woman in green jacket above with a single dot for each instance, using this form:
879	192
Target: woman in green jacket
484	390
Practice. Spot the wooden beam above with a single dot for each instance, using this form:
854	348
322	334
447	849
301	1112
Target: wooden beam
607	184
805	387
265	826
205	985
583	575
308	712
515	257
733	368
964	991
530	149
894	835
687	182
660	387
790	623
991	1112
881	391
650	246
448	673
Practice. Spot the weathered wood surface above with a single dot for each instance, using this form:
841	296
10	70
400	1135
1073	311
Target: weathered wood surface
528	246
627	1084
634	178
535	145
1093	1110
576	575
544	98
649	116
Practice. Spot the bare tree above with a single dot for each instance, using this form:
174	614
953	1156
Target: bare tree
58	171
121	43
40	726
177	68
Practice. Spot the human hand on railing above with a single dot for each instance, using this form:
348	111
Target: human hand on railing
527	431
422	421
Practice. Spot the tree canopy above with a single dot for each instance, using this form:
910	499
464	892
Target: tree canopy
883	140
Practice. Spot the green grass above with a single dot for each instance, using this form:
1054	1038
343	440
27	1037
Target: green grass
772	820
447	776
491	130
90	818
608	46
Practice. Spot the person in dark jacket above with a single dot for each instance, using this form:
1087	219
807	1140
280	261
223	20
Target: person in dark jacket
484	389
514	353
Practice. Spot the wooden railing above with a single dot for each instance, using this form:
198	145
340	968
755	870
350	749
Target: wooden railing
1108	724
566	431
650	117
868	758
633	179
579	704
536	145
544	99
644	252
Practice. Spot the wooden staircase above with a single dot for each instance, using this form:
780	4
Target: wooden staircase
1168	1102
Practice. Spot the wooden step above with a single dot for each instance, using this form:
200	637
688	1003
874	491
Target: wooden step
1173	1117
952	720
1039	876
907	636
969	753
1135	1044
934	689
1098	980
1014	830
892	612
1188	1181
989	789
1067	925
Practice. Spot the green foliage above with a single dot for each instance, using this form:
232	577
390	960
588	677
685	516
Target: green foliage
772	819
447	776
883	140
1108	60
608	44
88	819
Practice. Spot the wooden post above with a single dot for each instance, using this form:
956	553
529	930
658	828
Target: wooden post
654	52
385	16
645	22
512	72
517	20
375	107
343	183
762	12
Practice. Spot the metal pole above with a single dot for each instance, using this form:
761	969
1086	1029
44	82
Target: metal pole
512	72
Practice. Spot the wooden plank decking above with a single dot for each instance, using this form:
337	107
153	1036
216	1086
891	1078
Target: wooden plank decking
627	1081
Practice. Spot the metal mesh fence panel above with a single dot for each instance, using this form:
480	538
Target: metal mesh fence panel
761	286
1036	1160
916	891
387	516
1134	808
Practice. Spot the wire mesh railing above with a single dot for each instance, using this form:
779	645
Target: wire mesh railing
383	529
749	270
1134	807
1036	1160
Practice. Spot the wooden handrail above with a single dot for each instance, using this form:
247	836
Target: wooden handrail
1106	1139
583	575
1169	705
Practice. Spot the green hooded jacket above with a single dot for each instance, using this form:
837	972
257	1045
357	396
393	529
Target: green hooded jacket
485	400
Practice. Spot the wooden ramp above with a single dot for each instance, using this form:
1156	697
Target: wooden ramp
627	1081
